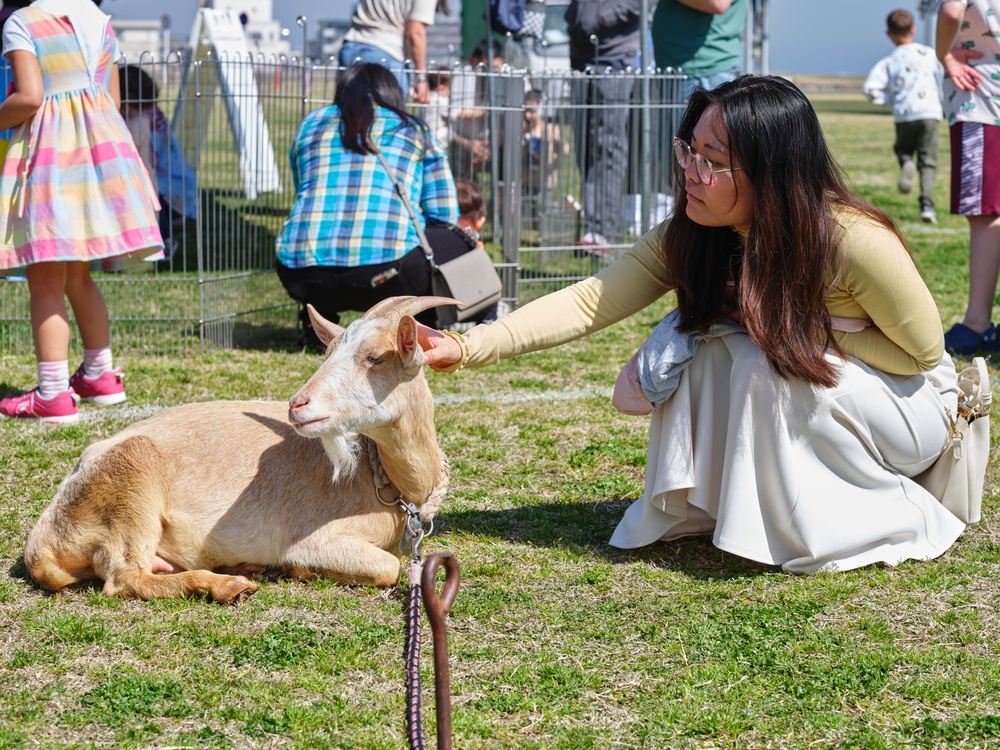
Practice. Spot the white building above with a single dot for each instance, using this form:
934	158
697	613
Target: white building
329	37
142	41
264	34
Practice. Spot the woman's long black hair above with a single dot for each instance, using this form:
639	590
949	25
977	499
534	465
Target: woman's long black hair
782	270
359	88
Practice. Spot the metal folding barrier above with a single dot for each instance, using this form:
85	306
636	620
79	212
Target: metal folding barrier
559	155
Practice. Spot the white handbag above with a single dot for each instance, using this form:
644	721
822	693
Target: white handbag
957	477
471	278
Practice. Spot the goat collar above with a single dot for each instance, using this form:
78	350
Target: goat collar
433	501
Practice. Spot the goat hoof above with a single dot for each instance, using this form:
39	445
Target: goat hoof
235	590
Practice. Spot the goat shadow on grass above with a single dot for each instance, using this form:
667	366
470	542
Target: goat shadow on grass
586	527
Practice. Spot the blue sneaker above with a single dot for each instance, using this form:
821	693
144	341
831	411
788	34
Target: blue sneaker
961	339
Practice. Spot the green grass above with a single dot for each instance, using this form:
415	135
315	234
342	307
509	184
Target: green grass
556	639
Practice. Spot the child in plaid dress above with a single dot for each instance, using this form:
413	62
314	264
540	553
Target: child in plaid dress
72	190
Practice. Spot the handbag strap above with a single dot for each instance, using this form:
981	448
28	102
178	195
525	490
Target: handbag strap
406	202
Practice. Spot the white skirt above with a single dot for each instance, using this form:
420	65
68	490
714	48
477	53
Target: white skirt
789	474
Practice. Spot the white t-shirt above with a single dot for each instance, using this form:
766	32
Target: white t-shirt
382	23
88	21
980	30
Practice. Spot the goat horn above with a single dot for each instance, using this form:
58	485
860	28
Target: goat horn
406	306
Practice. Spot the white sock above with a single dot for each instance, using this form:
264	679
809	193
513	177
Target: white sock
53	379
96	362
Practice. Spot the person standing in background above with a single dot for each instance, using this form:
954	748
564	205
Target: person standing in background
702	38
968	46
387	32
910	80
604	41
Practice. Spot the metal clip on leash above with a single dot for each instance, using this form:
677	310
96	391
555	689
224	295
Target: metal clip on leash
437	611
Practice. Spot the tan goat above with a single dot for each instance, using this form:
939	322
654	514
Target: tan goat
199	496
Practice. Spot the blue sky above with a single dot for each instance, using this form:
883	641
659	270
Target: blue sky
807	36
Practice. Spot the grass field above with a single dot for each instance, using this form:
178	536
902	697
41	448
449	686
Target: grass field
556	639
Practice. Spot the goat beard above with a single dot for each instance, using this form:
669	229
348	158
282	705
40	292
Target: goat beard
343	451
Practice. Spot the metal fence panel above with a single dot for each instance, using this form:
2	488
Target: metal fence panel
527	141
598	161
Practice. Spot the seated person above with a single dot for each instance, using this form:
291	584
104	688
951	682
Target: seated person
801	423
436	113
451	241
349	241
171	175
544	145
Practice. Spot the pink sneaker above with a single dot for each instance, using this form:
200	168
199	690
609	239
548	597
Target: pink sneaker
58	410
593	244
106	390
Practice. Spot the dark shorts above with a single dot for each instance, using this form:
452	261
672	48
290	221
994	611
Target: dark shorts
975	169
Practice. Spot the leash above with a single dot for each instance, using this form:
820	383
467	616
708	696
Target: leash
411	657
423	582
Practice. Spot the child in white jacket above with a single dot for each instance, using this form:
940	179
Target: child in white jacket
910	80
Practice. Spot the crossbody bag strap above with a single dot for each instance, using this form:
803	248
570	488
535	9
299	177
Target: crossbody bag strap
409	207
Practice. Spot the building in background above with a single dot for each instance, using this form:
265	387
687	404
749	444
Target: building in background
265	35
329	35
444	40
144	41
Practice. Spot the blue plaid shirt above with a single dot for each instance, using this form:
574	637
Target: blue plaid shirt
346	211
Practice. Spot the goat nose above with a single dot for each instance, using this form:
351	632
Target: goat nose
297	402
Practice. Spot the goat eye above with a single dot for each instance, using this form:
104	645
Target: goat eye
373	360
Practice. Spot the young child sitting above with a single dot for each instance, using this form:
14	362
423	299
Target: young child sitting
544	146
472	209
451	241
436	112
173	178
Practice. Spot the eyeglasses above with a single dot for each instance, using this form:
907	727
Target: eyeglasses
705	167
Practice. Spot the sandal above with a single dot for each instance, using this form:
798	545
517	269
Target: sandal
961	339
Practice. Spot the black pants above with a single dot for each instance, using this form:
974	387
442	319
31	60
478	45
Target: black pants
333	289
602	146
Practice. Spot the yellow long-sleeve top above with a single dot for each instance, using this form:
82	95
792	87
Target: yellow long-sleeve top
875	280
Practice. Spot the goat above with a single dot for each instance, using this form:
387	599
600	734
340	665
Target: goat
199	498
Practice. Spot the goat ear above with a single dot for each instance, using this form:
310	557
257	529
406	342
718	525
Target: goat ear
325	330
410	353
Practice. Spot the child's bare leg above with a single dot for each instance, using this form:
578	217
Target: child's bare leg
984	267
49	320
89	309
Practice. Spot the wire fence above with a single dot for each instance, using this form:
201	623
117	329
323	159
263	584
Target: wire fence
574	167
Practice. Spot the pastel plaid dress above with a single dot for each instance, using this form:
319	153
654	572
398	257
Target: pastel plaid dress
72	186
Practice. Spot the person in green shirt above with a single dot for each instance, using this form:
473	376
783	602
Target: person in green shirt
702	38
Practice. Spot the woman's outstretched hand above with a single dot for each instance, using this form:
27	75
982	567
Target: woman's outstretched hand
440	351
